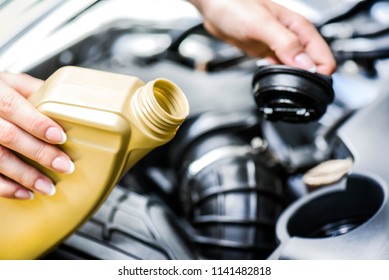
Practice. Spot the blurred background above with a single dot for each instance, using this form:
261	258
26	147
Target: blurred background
218	189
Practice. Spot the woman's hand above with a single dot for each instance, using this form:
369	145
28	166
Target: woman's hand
25	131
265	29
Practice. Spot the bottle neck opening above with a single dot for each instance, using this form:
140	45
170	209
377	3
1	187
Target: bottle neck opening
161	106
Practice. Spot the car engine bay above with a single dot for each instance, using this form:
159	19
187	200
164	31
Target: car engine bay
232	183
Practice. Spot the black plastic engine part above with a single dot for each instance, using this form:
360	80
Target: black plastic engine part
349	220
338	212
332	223
284	93
127	226
231	198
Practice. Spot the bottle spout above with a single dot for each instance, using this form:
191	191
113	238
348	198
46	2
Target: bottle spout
161	107
158	109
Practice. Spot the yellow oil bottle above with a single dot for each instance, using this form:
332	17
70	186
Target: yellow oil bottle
111	121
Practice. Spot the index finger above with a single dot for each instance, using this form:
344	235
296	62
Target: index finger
17	110
22	83
314	44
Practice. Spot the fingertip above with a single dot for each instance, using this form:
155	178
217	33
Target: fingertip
304	61
24	194
55	135
45	186
327	69
63	164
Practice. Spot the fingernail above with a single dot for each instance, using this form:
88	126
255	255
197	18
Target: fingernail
45	186
304	61
63	164
55	135
24	194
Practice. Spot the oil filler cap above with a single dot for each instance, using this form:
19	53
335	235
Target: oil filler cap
289	94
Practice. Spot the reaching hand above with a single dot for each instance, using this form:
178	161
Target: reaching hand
265	29
25	131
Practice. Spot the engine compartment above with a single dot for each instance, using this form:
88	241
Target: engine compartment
230	185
